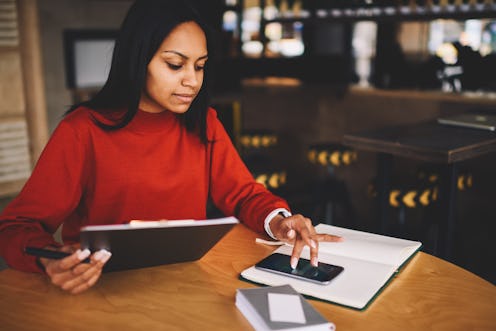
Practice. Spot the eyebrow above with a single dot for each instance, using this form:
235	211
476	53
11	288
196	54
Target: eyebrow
184	56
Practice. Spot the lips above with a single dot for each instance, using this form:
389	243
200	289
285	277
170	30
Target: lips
185	98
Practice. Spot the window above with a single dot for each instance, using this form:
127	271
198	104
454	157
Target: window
88	54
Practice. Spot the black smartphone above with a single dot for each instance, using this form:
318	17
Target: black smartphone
49	254
280	264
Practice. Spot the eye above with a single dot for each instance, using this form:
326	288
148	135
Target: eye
174	66
200	66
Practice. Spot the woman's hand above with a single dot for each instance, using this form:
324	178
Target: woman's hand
299	231
71	274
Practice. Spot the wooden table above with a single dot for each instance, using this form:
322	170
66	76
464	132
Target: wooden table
433	143
429	294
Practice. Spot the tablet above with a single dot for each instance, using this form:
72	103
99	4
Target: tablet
471	120
141	244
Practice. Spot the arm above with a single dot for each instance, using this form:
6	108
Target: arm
234	191
47	199
232	187
50	197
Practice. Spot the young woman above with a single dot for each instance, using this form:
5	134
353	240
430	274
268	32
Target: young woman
145	147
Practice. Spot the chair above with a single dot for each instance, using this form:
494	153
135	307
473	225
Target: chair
420	198
331	198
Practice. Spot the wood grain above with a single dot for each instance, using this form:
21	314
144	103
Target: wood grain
429	294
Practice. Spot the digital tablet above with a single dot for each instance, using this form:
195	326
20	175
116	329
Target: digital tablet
141	244
471	120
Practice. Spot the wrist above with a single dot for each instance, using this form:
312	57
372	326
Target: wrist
276	215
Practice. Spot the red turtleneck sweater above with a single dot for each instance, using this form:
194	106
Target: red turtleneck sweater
151	169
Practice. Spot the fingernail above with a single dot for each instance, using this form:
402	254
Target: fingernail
83	254
315	261
105	255
294	263
313	244
291	233
98	255
102	255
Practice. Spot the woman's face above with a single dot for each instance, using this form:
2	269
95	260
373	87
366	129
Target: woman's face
175	73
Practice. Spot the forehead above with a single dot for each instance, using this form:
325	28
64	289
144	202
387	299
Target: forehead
187	38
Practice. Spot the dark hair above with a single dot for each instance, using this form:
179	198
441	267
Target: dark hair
147	24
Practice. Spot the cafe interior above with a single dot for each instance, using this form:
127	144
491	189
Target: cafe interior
336	106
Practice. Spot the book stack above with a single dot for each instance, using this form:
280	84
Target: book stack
279	308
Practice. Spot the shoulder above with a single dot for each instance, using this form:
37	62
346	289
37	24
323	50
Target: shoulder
83	118
211	115
84	114
77	124
77	116
213	123
76	119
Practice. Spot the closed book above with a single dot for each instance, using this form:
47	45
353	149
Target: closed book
254	304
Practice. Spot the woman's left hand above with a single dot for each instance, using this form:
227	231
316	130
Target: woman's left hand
299	231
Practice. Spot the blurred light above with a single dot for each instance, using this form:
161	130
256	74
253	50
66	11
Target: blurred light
252	48
273	31
448	53
229	21
291	47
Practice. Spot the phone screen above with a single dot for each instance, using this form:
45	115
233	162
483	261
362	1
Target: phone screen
280	263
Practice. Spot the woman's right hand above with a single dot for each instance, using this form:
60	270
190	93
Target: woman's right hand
73	275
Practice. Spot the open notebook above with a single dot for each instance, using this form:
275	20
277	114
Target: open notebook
369	262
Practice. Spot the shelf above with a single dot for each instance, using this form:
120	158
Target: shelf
488	98
394	14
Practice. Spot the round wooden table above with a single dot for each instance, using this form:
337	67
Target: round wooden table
428	294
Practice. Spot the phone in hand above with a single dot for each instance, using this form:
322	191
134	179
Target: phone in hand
280	264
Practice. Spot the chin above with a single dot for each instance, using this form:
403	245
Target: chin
179	110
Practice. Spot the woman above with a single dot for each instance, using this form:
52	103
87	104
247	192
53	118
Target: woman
145	147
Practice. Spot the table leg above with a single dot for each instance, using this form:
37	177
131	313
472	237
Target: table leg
447	202
384	167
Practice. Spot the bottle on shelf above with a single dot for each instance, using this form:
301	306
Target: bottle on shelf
284	9
270	11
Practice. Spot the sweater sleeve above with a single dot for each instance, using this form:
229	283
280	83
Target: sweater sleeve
52	192
233	189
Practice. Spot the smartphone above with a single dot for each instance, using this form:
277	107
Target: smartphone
49	254
279	263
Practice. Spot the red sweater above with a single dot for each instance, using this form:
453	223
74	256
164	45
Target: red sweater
151	169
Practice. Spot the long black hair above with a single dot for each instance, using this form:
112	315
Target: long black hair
146	25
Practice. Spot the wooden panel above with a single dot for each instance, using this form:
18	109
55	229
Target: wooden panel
15	159
9	34
14	155
11	87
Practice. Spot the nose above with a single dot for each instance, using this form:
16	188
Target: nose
191	77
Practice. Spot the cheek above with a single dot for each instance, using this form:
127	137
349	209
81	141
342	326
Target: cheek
159	86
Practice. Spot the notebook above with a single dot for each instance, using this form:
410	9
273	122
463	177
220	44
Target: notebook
279	308
141	244
471	120
370	263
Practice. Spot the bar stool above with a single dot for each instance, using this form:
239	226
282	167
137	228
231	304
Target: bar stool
257	147
420	197
258	139
330	194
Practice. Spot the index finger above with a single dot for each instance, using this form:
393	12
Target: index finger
305	232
